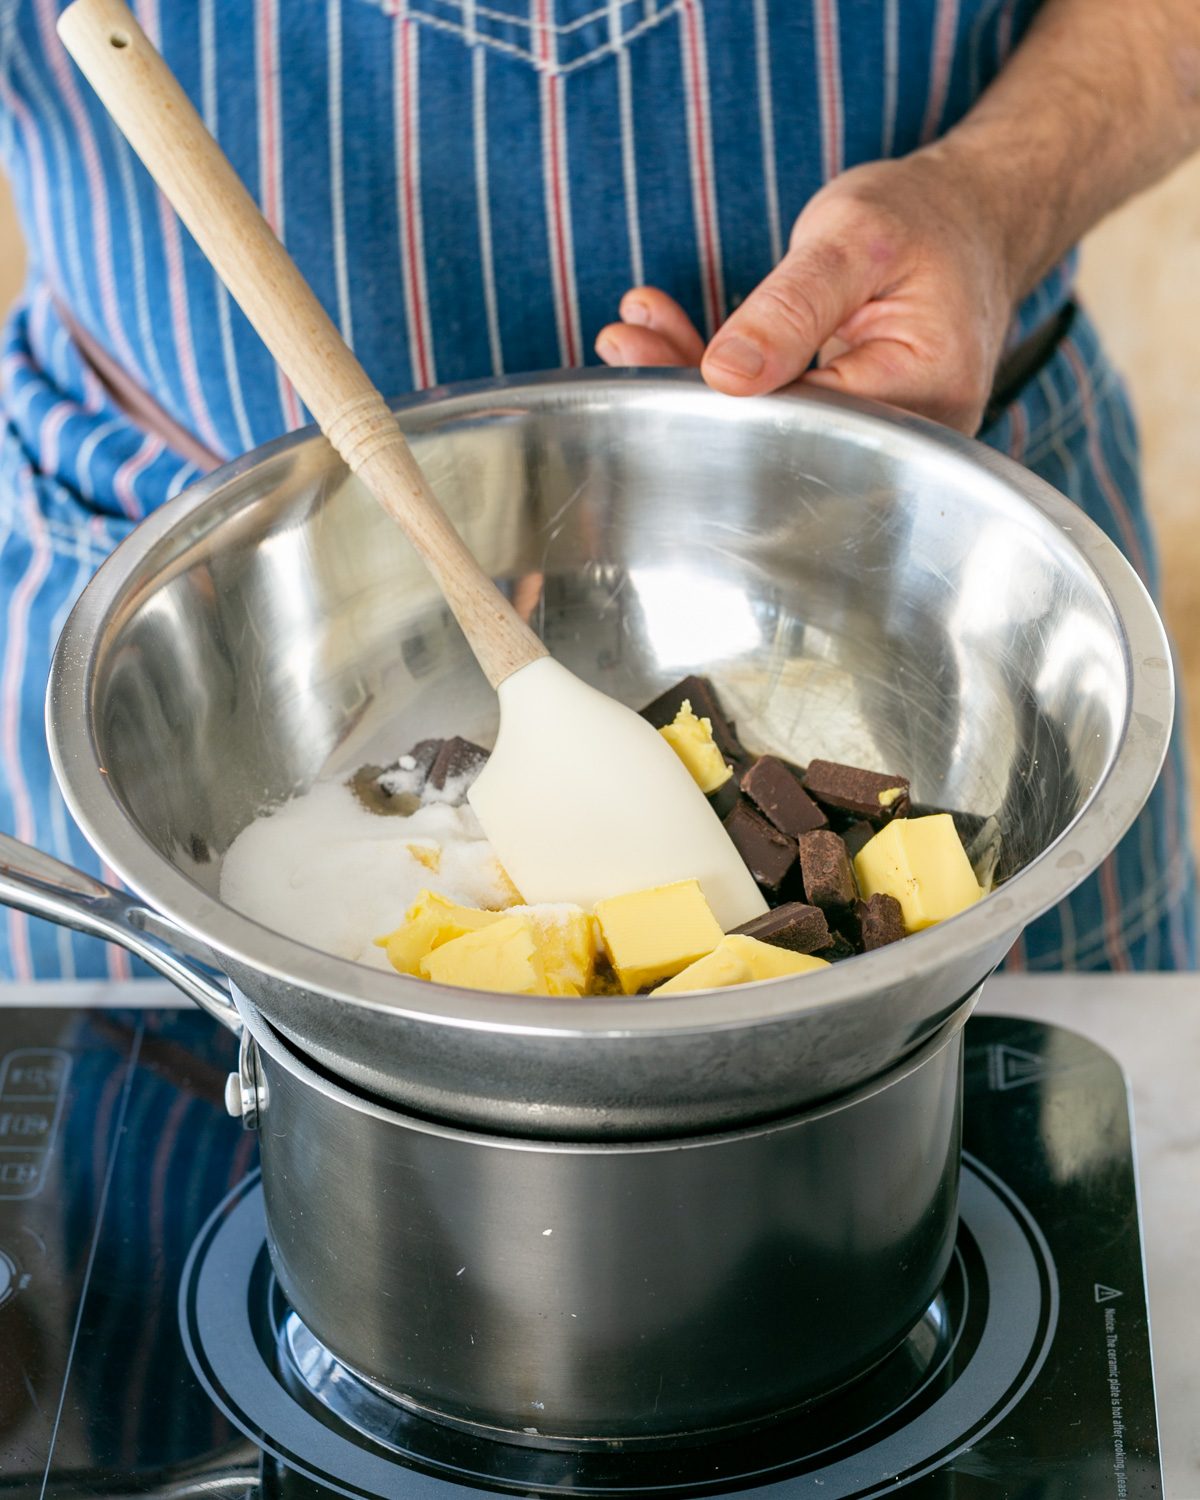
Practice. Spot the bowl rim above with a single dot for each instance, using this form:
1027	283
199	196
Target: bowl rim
1105	816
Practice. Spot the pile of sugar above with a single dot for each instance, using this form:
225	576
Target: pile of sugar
324	871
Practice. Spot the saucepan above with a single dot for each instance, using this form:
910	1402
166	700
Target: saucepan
859	585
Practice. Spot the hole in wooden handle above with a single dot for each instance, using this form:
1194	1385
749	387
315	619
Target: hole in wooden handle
118	39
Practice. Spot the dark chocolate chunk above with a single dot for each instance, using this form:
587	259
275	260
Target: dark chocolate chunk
725	798
880	921
801	928
701	694
856	834
828	874
768	855
424	753
854	790
457	765
839	948
777	794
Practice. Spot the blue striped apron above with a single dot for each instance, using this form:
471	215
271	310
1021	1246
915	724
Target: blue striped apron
470	188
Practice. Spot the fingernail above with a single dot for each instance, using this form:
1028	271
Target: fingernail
736	355
606	348
635	311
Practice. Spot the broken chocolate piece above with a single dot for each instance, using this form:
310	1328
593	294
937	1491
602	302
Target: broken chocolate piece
880	921
768	855
407	776
725	798
839	948
440	770
869	794
777	794
828	874
457	765
856	834
701	694
794	925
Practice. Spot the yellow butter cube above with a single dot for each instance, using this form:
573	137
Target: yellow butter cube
502	956
653	934
768	961
430	922
715	971
922	863
566	940
737	960
692	740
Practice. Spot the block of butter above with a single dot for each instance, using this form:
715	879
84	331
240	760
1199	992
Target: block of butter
651	935
922	863
502	956
566	940
692	740
430	921
738	960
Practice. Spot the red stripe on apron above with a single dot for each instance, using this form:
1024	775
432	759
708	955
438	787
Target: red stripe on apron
558	206
177	291
1109	888
272	165
700	144
64	76
829	85
415	293
945	29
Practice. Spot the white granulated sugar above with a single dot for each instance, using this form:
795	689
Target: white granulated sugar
548	913
324	871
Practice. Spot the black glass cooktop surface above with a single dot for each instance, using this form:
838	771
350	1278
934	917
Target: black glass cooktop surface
145	1348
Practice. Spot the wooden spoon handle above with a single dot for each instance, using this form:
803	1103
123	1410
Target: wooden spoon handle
157	118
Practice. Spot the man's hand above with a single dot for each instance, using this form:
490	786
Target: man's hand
896	272
904	273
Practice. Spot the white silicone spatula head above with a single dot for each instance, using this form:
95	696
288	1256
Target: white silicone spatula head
610	771
582	799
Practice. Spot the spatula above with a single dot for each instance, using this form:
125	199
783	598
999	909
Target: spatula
581	798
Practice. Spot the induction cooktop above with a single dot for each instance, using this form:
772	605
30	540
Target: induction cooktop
146	1350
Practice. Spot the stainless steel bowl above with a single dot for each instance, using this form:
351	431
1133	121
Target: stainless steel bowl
859	584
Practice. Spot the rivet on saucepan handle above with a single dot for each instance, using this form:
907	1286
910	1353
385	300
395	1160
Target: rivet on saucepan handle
246	1090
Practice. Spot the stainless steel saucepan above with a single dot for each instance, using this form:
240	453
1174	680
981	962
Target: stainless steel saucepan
859	584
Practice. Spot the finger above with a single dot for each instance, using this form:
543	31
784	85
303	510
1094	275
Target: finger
771	339
648	307
619	344
888	370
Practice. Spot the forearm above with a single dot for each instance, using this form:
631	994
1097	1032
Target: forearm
1101	99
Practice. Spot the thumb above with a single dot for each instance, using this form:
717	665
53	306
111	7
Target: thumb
773	336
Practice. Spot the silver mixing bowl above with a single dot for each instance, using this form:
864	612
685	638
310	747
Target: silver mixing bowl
860	585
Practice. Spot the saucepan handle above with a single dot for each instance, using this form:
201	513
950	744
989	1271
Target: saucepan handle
37	883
